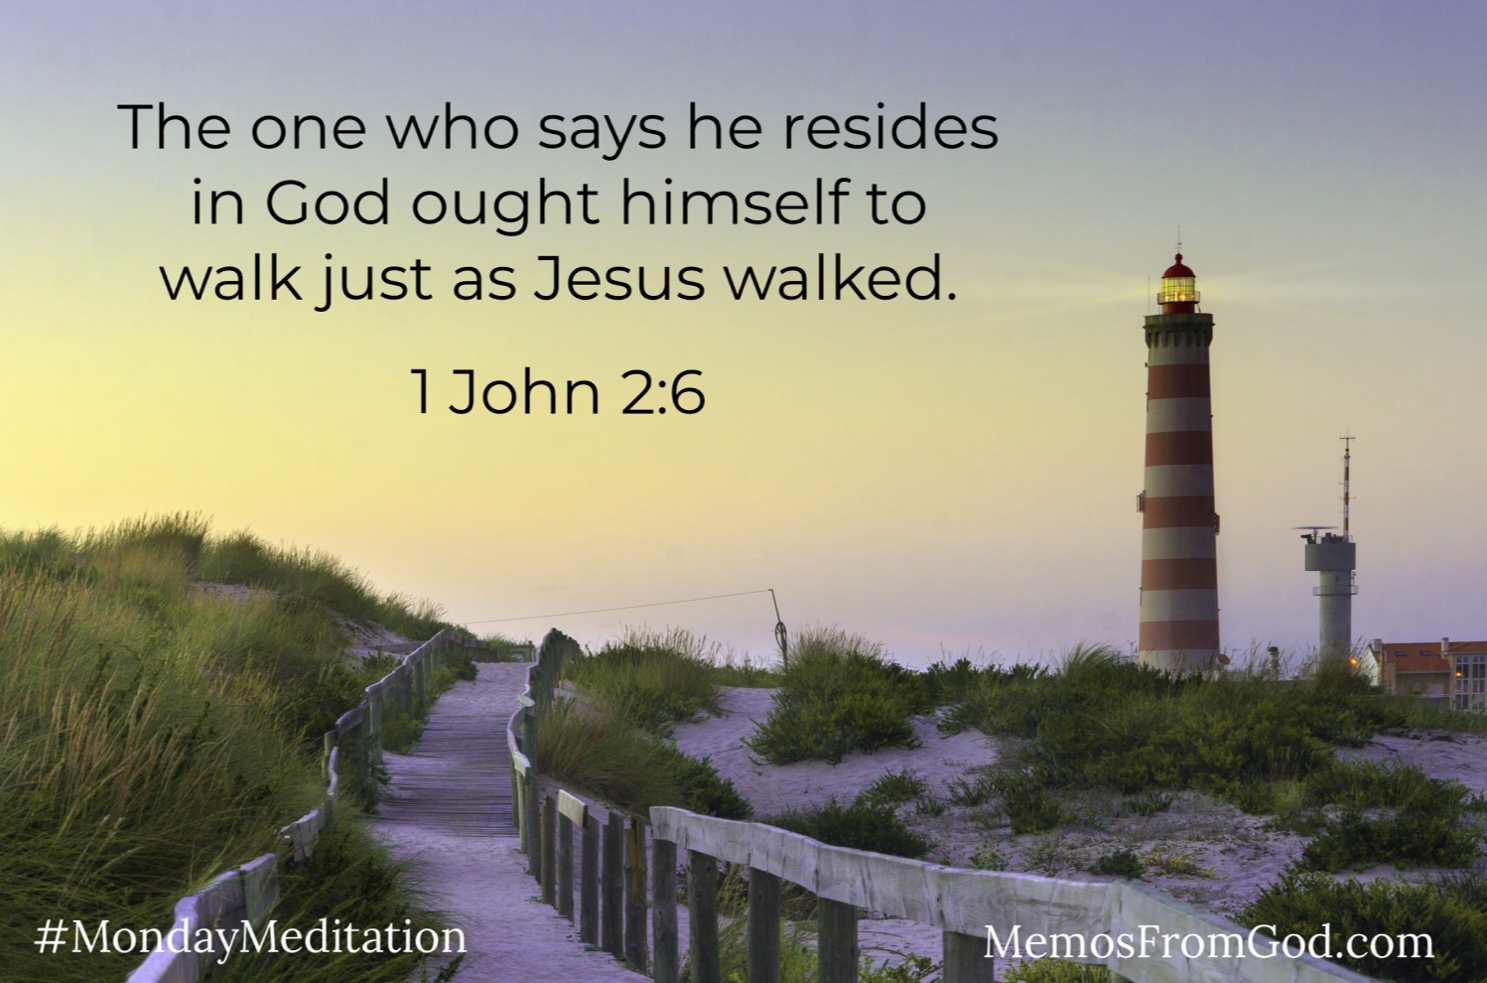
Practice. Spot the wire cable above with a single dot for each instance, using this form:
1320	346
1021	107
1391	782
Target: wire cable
626	607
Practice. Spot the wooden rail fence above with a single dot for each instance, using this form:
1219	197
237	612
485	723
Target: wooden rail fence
616	902
250	892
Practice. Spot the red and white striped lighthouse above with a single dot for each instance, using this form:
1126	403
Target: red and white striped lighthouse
1179	571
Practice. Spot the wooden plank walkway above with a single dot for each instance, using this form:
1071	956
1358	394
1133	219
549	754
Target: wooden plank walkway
457	779
448	808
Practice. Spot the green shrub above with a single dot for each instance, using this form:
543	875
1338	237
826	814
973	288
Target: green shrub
859	826
928	805
1121	863
744	672
971	791
951	684
1149	803
988	857
702	789
1407	839
839	695
1054	971
651	679
1368	784
895	787
1028	803
597	750
1452	913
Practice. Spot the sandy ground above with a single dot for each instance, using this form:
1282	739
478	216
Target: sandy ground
1219	858
1222	859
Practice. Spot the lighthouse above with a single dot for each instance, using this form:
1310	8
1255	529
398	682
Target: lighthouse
1179	528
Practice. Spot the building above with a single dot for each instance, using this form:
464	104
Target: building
1453	673
1179	569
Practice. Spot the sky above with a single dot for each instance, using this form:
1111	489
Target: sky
943	476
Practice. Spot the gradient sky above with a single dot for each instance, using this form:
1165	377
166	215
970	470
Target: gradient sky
941	476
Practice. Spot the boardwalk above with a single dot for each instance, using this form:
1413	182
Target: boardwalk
449	807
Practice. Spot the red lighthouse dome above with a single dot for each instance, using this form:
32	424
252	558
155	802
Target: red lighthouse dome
1179	294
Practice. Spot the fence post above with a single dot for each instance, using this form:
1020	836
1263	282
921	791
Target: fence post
667	968
965	960
529	735
702	917
548	877
764	927
518	806
534	849
836	934
635	896
614	886
569	809
588	888
374	720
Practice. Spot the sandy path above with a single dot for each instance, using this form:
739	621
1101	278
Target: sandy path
475	875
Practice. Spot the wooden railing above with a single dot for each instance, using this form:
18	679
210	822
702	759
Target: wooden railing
250	892
616	902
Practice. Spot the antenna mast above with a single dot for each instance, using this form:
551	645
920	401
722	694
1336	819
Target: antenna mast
1347	464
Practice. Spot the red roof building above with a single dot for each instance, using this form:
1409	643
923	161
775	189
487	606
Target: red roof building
1443	670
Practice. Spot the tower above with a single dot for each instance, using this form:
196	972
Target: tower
1335	558
1179	569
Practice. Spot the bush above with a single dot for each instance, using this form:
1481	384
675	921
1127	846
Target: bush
1028	803
971	791
895	787
1054	971
1368	784
1452	913
652	680
1408	839
988	857
839	695
859	826
595	749
1121	863
702	789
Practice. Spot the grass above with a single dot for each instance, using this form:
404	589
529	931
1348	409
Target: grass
837	695
860	825
1101	721
652	679
894	787
596	749
988	857
1120	863
349	877
153	734
1054	971
1453	912
635	691
798	960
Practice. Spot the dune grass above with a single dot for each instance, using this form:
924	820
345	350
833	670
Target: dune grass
1452	911
839	694
594	748
151	734
652	679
